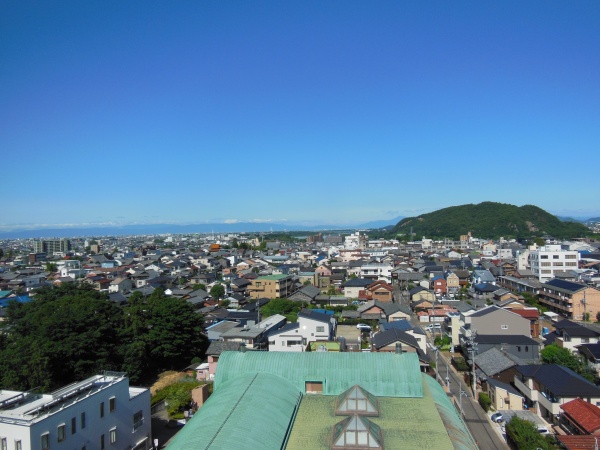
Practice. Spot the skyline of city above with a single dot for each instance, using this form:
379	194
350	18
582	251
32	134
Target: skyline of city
308	113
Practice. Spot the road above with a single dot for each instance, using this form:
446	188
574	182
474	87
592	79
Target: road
474	416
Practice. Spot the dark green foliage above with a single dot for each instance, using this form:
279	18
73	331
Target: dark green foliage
70	332
217	291
282	306
489	220
553	354
460	364
67	333
485	401
178	396
524	435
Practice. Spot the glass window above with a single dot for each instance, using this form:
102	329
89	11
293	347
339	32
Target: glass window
82	420
3	444
102	442
18	445
101	409
113	435
138	420
61	433
73	425
320	329
112	404
45	441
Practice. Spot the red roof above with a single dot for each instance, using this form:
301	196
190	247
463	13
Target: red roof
586	415
577	442
527	313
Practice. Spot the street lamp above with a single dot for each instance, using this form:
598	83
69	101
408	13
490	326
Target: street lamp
460	396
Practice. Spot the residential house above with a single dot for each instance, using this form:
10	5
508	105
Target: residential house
579	417
504	396
493	320
120	284
306	294
438	285
452	283
213	353
548	386
354	286
520	348
311	326
395	340
570	335
379	290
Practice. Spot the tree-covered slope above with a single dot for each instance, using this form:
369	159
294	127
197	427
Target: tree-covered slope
489	220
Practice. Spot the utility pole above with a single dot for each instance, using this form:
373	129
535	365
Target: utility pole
472	345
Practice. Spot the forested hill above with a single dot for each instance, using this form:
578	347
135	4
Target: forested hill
489	220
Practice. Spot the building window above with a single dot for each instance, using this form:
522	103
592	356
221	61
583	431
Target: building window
518	348
102	442
82	420
544	257
61	432
101	409
3	444
112	404
138	420
504	327
555	256
113	435
18	445
73	425
45	441
320	329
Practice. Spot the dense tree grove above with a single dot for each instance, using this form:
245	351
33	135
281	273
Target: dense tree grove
72	331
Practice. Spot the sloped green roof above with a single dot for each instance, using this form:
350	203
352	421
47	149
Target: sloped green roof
252	411
382	374
405	423
455	426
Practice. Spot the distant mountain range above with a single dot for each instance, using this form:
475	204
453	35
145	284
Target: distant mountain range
580	219
152	229
489	220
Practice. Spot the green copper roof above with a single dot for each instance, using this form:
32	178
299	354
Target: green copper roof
252	411
456	428
382	374
273	277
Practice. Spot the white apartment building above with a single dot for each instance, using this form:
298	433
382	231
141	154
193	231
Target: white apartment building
356	240
549	259
377	271
101	412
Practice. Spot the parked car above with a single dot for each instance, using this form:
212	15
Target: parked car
497	417
433	326
363	327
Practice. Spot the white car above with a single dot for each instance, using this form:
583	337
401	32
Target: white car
363	327
433	326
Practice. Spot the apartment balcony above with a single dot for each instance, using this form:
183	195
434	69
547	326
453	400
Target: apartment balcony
550	403
532	395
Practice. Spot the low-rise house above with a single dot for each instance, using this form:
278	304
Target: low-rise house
496	321
504	395
120	284
579	417
570	335
306	294
354	286
213	354
547	386
519	348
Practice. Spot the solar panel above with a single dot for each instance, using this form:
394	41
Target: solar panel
564	284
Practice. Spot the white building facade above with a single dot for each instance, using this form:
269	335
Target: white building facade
101	412
550	259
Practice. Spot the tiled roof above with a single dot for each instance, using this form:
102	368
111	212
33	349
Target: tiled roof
584	414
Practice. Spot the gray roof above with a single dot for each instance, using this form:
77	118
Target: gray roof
493	362
388	337
561	381
507	387
217	347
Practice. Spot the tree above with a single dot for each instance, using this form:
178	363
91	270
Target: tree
66	334
331	290
524	435
217	291
51	267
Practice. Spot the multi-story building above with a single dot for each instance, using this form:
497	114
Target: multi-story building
571	300
549	259
271	286
101	412
52	246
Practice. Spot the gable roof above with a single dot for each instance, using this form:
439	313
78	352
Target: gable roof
314	315
493	361
563	382
385	338
396	375
584	414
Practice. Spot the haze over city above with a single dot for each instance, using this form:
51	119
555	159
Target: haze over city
294	112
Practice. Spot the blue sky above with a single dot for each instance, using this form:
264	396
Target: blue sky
299	112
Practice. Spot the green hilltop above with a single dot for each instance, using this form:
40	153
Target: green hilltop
489	220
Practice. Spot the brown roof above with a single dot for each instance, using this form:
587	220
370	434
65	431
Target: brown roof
572	442
527	313
584	414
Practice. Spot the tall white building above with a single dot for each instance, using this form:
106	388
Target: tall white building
549	259
101	412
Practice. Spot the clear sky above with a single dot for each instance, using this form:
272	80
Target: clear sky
299	112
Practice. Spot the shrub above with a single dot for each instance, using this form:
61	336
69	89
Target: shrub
460	364
485	401
177	396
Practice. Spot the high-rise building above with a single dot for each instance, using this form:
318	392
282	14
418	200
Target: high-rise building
51	246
